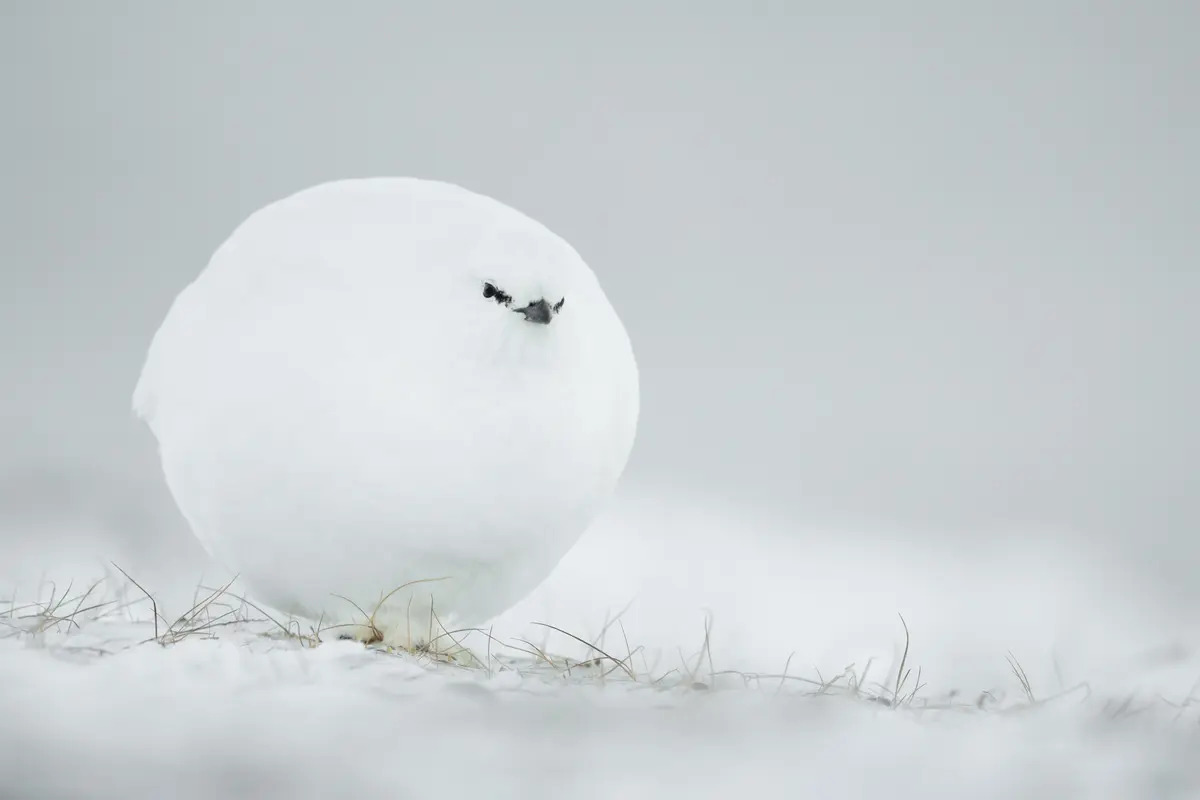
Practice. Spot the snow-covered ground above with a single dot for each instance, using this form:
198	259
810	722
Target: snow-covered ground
791	692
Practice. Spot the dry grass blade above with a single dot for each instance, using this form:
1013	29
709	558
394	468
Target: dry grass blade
376	634
860	680
705	651
706	647
901	673
629	651
610	621
783	678
142	589
537	652
79	609
588	644
663	677
1022	678
917	687
450	655
187	621
625	664
403	586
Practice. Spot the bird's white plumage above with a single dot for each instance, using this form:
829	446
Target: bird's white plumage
340	410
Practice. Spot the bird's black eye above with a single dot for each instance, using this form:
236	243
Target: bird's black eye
558	306
493	292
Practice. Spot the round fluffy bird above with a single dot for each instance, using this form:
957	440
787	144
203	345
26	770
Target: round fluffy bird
391	404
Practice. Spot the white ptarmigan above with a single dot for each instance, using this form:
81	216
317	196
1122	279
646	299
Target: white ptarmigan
389	380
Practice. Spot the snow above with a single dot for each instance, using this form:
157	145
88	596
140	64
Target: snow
242	710
344	405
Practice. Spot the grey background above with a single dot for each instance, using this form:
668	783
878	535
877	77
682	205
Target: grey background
930	265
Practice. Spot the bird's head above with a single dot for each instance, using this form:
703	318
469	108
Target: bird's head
540	310
530	278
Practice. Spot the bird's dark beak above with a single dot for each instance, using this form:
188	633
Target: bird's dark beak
539	312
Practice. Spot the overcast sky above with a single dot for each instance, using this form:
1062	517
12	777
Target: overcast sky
934	265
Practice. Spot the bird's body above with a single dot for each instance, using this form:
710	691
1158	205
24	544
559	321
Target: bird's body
382	381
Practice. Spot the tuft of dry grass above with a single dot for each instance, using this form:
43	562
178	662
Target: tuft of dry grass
218	609
59	611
